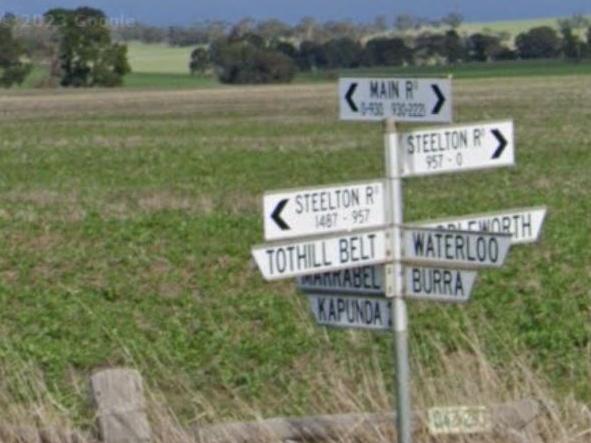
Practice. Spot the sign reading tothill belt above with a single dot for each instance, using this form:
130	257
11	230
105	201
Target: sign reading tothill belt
317	255
457	148
323	210
404	99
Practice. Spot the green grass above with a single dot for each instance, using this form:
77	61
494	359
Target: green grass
127	219
144	80
159	58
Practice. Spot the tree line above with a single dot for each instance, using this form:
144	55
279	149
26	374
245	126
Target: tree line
80	49
246	56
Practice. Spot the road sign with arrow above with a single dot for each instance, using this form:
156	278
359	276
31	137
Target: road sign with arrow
457	148
322	210
405	99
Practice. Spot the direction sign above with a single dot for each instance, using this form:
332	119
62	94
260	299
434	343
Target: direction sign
439	284
405	99
524	225
351	312
322	210
462	249
316	255
456	148
447	285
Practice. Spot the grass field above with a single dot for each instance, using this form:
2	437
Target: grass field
127	218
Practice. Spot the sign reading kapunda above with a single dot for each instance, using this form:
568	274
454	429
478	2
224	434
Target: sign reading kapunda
322	210
351	312
405	99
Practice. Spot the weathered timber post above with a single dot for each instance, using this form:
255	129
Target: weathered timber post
118	395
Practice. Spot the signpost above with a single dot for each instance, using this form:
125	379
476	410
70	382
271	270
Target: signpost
457	148
356	259
416	100
463	249
314	255
322	210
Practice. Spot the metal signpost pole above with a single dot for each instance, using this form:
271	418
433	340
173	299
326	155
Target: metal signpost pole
394	282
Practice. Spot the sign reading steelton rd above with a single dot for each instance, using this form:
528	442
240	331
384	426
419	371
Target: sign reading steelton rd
351	312
405	99
457	148
322	210
455	248
422	283
316	255
524	224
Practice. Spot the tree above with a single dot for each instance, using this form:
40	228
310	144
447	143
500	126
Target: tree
483	47
572	46
342	53
241	62
87	55
200	60
387	52
13	70
404	22
539	42
453	20
453	47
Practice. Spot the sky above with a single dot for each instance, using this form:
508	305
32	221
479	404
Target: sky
167	12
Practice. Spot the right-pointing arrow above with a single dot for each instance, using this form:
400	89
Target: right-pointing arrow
440	99
349	97
276	215
502	143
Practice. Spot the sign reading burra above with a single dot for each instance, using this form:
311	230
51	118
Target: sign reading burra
316	255
405	99
322	210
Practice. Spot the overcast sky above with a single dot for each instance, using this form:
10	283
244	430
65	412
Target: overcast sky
164	12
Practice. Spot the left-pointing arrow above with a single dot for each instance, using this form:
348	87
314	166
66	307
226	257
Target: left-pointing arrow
502	143
349	97
276	215
440	99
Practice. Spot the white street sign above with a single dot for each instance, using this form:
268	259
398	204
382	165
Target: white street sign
459	420
405	99
456	148
316	255
351	312
524	224
323	210
365	280
447	285
458	249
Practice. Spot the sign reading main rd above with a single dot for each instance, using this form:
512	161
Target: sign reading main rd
316	255
322	210
463	249
457	148
405	99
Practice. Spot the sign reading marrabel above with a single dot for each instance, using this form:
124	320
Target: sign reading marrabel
351	312
405	99
463	249
316	255
423	283
457	148
322	210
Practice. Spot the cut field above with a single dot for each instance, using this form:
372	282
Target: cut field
127	219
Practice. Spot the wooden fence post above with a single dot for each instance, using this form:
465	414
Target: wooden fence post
118	395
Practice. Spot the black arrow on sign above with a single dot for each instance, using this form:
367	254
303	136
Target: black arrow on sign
502	143
276	215
440	99
349	97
